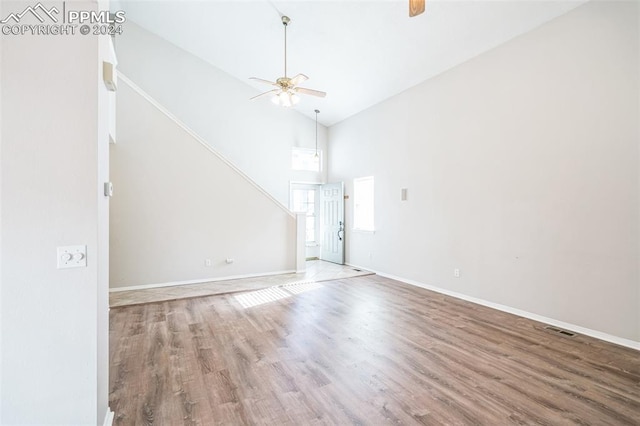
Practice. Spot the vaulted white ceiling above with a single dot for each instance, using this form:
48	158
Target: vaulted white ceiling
360	52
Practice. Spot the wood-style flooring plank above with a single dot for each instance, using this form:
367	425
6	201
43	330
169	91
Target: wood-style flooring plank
363	351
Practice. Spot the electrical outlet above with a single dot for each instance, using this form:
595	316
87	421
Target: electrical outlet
456	273
207	262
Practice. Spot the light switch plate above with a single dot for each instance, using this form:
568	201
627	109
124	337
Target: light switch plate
72	257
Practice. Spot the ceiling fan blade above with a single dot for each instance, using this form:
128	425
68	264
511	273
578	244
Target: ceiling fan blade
263	94
263	81
416	7
300	78
310	92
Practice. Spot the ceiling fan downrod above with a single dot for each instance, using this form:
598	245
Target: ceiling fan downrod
285	22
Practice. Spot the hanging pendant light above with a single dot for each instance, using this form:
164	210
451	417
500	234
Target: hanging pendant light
317	112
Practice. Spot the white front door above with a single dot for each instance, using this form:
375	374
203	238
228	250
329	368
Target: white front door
332	222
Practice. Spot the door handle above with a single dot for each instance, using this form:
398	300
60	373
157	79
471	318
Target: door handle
341	229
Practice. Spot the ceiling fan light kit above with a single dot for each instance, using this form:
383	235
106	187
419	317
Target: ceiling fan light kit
285	99
287	91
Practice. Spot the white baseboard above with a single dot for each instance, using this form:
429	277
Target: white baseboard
565	325
108	418
199	281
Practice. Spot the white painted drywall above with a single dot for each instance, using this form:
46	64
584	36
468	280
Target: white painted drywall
638	138
105	111
49	170
177	204
1	233
522	170
256	136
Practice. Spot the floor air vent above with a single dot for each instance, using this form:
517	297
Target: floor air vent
560	331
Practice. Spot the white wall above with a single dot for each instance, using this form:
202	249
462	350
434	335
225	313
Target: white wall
104	115
1	232
176	204
49	171
522	170
256	136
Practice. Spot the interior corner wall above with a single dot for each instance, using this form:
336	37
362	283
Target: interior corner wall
1	39
177	204
103	411
638	139
256	136
522	170
49	174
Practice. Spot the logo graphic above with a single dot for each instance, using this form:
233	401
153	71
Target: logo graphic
34	11
94	21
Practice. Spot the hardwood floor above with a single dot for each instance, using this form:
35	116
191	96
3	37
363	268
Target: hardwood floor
366	351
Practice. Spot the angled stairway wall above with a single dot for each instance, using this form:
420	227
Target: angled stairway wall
178	203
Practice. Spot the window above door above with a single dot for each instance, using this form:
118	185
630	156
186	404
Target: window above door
305	159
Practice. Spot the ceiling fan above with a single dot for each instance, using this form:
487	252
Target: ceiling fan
416	7
287	90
